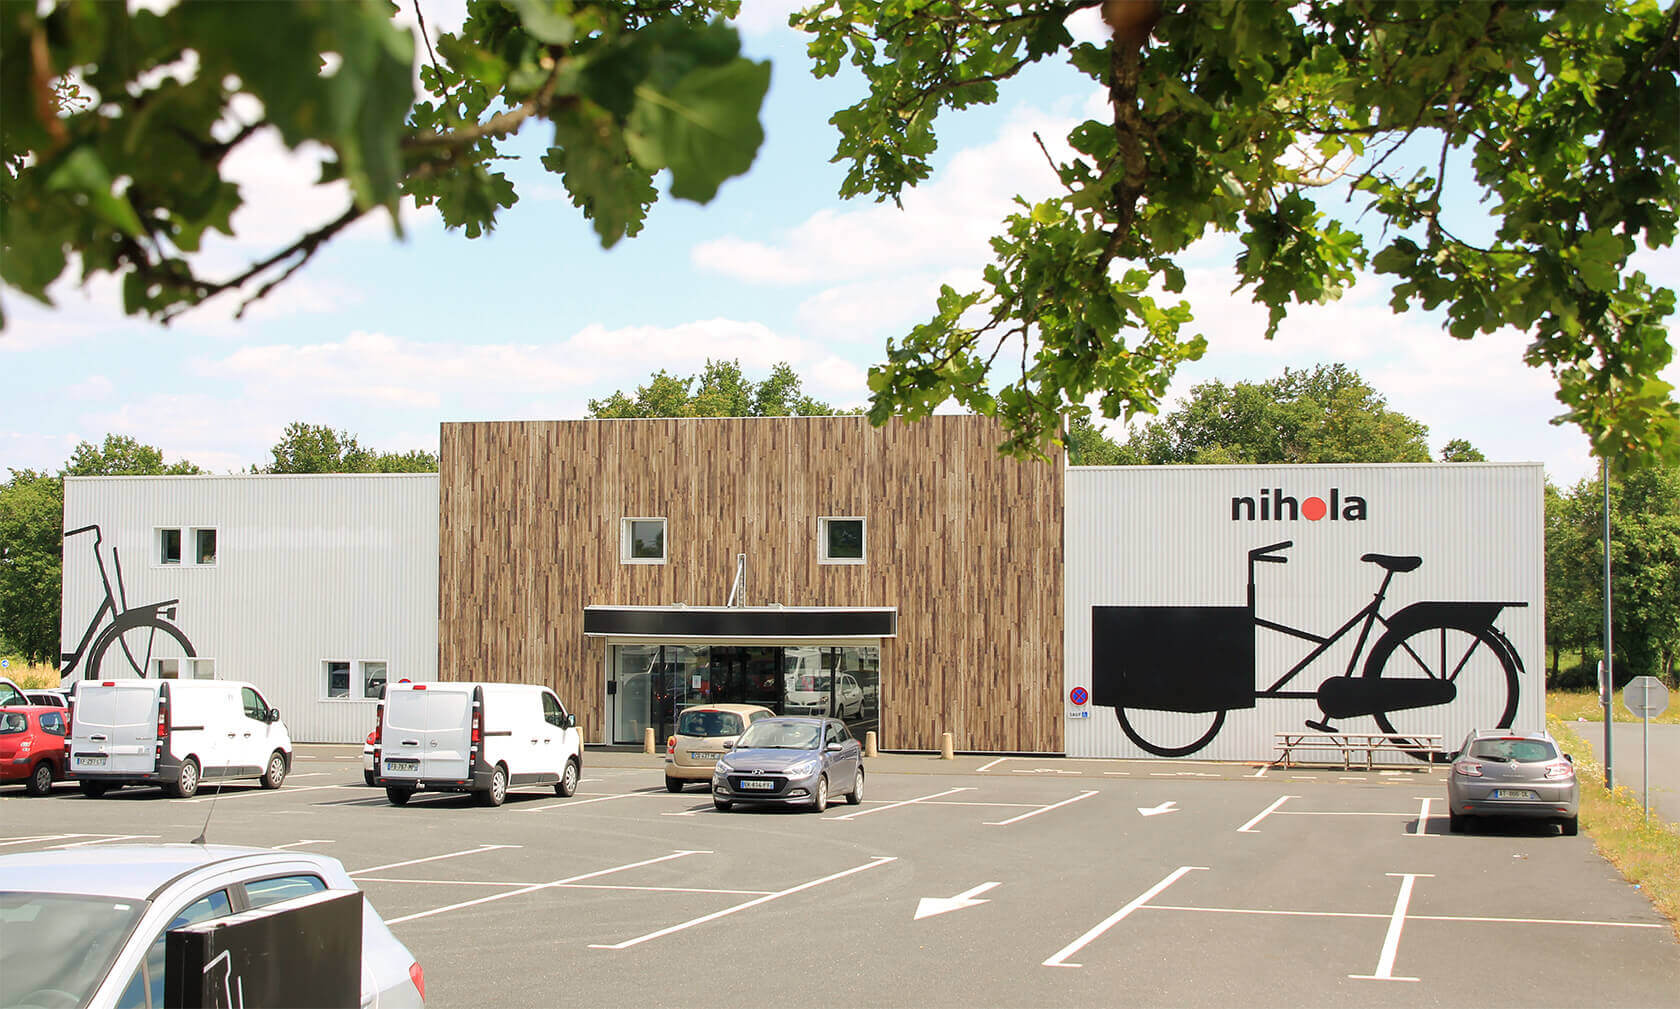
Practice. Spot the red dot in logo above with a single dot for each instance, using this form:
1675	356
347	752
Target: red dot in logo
1313	508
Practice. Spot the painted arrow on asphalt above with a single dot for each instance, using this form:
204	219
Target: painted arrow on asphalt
1165	807
931	906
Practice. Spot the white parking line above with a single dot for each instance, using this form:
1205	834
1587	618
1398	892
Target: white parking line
987	767
1059	958
1248	828
543	886
1041	809
906	802
576	802
294	844
1396	923
107	840
1422	829
565	886
434	858
878	860
40	837
1410	917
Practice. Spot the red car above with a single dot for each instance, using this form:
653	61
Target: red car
32	741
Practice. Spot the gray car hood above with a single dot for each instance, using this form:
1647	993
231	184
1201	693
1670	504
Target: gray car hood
767	760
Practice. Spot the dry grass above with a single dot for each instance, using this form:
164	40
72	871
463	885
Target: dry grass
1647	853
31	677
1574	706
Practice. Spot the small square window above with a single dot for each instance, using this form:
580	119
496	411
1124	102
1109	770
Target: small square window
166	669
204	546
373	679
169	546
338	678
841	540
642	541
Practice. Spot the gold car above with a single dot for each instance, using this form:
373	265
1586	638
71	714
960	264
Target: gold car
704	733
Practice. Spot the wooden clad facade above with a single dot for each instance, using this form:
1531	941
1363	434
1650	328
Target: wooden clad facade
966	544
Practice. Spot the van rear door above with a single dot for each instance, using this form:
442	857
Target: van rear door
429	729
115	729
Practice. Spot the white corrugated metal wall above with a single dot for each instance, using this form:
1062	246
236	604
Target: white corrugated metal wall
308	569
1165	536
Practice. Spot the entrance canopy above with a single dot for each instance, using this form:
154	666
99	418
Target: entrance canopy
780	623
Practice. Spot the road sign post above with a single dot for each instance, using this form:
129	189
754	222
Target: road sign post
1646	696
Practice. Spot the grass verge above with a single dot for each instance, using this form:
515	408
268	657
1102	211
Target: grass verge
30	676
1646	853
1574	706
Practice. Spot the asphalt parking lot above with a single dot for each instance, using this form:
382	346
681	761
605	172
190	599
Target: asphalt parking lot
978	882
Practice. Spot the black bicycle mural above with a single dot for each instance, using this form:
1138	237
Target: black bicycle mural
139	635
1200	660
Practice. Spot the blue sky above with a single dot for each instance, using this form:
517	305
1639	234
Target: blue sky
388	338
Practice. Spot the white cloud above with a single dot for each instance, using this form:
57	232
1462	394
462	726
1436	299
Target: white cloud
93	387
763	17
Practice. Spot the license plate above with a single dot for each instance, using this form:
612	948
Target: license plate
1514	793
702	755
90	761
759	784
402	765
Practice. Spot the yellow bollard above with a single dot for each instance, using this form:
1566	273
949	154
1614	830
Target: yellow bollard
946	749
647	740
869	744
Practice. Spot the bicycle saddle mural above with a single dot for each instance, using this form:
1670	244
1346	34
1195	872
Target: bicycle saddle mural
1201	660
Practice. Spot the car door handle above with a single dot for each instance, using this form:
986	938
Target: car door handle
99	738
410	742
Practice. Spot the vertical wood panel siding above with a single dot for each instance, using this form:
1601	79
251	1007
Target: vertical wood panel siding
966	544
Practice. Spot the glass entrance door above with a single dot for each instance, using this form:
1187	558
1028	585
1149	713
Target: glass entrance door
745	676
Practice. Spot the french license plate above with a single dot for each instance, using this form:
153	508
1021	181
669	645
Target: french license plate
90	761
402	765
702	755
759	784
1514	793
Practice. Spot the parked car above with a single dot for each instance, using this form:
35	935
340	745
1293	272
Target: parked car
370	769
482	738
174	733
1499	772
790	761
48	698
32	747
703	733
87	926
11	694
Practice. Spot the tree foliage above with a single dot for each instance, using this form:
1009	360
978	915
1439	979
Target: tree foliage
316	448
131	182
720	390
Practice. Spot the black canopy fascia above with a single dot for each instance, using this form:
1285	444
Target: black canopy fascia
770	622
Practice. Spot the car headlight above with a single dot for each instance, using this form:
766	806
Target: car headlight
722	767
804	770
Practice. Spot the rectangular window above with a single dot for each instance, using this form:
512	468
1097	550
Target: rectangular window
373	679
642	541
169	546
841	540
338	677
166	669
204	546
202	669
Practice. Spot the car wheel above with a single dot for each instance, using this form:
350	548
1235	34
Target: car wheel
185	785
497	792
399	796
855	796
1570	825
276	772
1455	823
723	805
92	789
819	798
371	779
673	784
566	787
40	781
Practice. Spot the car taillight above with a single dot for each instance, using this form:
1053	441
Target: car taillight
671	745
477	730
418	976
1560	769
1468	768
378	721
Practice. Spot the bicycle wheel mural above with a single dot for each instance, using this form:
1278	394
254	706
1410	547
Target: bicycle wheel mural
123	640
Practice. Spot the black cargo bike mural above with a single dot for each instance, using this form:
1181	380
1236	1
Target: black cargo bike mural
1201	660
137	637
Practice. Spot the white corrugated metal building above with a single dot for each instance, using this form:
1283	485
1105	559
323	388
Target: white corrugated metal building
314	588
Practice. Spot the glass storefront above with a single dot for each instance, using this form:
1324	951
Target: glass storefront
649	685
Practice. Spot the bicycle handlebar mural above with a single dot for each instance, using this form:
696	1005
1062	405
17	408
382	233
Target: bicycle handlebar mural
1200	660
138	639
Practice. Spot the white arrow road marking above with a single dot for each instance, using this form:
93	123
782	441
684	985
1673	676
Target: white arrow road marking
1165	807
930	906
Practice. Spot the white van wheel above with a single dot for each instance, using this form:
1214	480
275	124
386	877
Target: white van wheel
276	770
566	787
497	792
185	785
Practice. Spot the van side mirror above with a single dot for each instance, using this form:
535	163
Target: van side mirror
569	722
273	715
729	744
1569	758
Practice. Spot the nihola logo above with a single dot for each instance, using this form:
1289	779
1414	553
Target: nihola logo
1277	506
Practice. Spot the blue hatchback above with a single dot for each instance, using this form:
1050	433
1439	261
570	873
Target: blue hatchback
791	762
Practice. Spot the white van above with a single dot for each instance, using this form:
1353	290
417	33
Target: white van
482	738
174	733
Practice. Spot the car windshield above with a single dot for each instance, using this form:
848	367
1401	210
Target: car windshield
54	944
769	735
1520	751
709	723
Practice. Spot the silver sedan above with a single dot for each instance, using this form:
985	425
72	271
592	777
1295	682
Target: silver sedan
790	762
